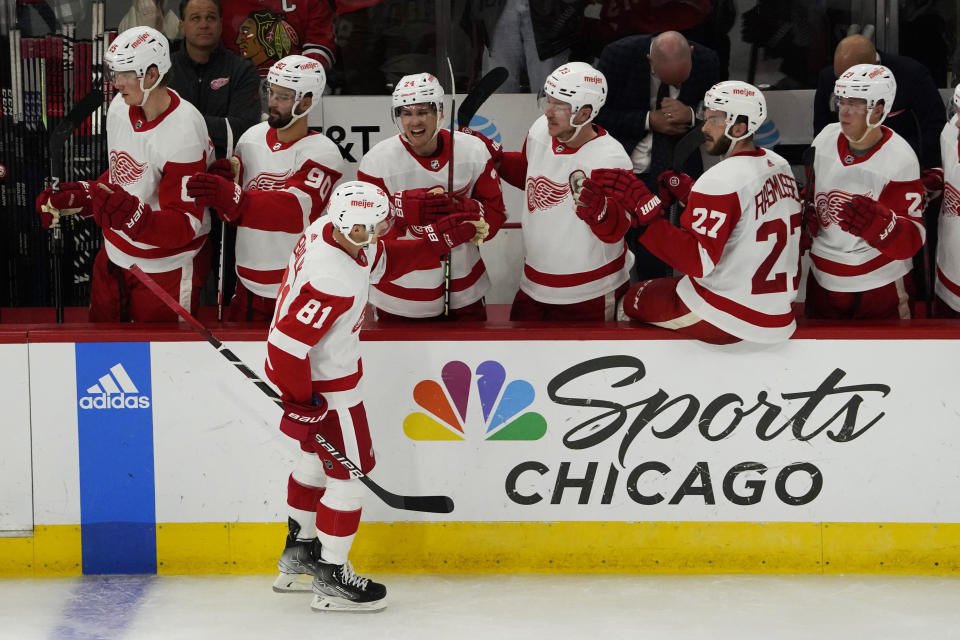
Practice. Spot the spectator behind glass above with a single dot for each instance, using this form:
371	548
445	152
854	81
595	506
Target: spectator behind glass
150	13
917	113
222	86
655	84
264	31
526	36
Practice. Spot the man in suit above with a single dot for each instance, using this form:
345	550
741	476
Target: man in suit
656	83
918	114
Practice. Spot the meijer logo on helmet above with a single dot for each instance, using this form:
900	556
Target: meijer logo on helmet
593	79
364	204
143	37
744	92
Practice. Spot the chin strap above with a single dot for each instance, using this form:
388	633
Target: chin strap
146	92
294	116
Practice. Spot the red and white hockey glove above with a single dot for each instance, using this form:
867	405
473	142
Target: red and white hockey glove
675	187
114	208
607	218
451	231
223	196
418	207
495	148
299	421
630	191
869	220
226	168
72	198
932	180
466	205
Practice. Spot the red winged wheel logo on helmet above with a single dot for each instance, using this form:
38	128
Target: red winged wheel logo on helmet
543	193
124	169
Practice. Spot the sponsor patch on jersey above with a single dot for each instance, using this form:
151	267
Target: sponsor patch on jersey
219	83
544	193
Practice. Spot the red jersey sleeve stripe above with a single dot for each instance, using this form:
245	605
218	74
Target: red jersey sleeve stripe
950	285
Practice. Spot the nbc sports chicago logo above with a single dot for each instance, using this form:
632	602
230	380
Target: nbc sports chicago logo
114	390
464	395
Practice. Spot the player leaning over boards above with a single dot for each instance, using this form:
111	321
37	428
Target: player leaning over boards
313	356
869	206
156	141
413	169
284	175
739	237
576	263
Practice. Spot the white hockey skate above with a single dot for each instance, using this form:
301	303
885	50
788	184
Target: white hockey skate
337	588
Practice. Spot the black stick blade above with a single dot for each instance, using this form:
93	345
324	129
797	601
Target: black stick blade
485	88
80	112
686	146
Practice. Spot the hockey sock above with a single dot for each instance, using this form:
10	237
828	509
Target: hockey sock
305	488
338	516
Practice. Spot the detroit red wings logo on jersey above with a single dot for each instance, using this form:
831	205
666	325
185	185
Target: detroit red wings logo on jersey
124	169
269	181
544	193
829	204
951	200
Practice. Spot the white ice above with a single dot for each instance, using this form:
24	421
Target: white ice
489	606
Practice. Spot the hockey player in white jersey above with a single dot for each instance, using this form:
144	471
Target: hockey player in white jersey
156	141
576	263
413	168
947	287
738	243
284	176
313	356
869	206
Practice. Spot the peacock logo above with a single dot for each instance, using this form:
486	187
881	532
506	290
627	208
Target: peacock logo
502	406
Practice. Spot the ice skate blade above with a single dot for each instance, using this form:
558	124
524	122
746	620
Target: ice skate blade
293	583
331	603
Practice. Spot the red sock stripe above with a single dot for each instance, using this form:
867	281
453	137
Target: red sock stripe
300	496
337	523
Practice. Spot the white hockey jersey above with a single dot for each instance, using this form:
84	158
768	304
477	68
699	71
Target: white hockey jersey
153	160
947	285
392	166
739	243
888	173
564	262
314	345
288	185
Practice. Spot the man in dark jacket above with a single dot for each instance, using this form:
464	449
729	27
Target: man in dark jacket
220	84
656	84
918	113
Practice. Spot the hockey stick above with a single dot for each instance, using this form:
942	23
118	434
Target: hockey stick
486	87
685	147
429	504
64	129
447	258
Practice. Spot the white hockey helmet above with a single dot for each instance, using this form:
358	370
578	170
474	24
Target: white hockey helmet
579	85
362	203
418	88
870	82
302	75
954	106
736	99
136	50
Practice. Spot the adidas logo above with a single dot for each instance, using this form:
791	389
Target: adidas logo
115	390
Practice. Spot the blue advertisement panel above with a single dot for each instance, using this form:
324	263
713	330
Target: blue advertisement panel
115	426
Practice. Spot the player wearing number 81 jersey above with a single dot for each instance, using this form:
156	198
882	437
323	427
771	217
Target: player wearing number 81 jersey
738	241
285	176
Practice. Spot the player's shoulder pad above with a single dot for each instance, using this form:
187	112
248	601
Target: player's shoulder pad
828	135
326	282
382	156
321	149
721	180
254	133
901	155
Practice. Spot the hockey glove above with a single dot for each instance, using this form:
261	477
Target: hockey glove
299	421
418	207
630	191
451	231
495	148
71	198
606	217
675	187
223	196
226	168
466	205
116	209
869	220
932	180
